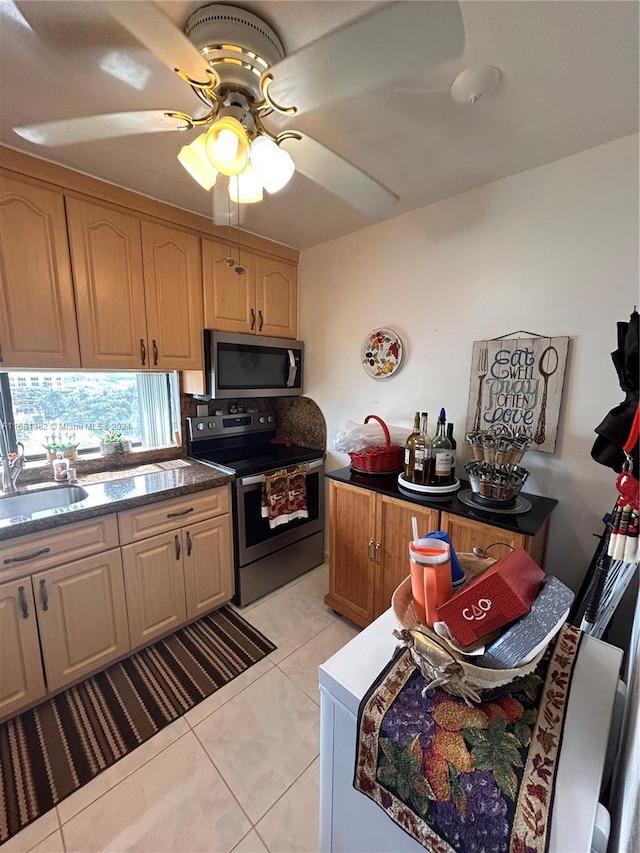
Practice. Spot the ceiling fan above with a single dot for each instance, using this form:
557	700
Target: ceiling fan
236	65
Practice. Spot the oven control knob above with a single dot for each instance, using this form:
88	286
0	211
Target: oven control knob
200	426
211	425
270	419
261	419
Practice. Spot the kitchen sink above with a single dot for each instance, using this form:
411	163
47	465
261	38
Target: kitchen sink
26	503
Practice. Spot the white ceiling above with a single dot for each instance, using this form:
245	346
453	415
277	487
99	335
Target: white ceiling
569	81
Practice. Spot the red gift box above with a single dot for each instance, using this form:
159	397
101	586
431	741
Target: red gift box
503	593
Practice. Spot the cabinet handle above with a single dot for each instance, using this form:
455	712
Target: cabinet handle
26	557
143	352
378	548
261	321
23	602
189	544
371	549
155	353
178	514
178	549
253	319
44	597
1	358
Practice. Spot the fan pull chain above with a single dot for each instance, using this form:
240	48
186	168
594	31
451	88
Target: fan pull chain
230	260
240	270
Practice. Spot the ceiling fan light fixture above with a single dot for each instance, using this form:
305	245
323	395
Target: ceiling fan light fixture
273	165
245	188
195	160
227	146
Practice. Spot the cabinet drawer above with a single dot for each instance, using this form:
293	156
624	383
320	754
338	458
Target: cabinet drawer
38	551
136	524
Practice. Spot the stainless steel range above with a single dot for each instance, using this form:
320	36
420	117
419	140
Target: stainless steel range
243	445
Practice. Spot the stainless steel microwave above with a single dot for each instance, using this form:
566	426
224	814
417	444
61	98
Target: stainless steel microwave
240	365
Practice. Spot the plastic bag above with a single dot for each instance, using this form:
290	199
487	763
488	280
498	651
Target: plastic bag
355	437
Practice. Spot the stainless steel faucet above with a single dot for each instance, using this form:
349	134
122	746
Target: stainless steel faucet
11	468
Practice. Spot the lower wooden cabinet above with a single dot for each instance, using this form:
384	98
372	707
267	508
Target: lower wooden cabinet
208	565
369	536
177	575
85	601
82	616
21	679
368	550
154	581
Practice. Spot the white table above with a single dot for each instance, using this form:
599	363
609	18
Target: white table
349	821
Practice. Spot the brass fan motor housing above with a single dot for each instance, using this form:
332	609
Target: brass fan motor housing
239	46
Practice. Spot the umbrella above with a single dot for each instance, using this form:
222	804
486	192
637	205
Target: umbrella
614	430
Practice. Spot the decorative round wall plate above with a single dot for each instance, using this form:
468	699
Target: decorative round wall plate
381	353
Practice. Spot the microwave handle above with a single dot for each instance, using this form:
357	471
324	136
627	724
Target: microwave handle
293	369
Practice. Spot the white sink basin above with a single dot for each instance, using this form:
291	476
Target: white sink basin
26	503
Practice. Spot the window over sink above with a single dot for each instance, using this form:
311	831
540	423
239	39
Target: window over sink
51	408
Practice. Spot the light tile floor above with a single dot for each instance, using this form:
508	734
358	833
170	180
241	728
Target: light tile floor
239	772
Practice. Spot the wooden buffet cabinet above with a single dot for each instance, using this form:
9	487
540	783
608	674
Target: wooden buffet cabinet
76	598
97	277
369	532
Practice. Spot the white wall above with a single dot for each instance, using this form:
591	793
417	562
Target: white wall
553	250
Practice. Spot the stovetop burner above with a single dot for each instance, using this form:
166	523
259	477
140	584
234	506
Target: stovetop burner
244	443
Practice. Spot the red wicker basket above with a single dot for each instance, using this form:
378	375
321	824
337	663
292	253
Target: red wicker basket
378	460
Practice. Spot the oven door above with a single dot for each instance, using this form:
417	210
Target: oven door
254	538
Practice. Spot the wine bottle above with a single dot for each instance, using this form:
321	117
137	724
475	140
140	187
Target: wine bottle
454	446
409	450
441	454
427	462
419	451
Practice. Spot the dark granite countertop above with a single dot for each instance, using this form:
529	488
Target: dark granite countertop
528	523
114	491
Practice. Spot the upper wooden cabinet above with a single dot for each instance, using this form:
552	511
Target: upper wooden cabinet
173	288
276	297
106	253
137	290
263	301
37	313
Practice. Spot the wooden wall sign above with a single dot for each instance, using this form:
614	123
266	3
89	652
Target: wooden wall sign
518	382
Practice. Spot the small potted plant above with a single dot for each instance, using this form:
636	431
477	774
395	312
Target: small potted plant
58	443
112	443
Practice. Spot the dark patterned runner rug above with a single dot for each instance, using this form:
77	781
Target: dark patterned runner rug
52	750
459	778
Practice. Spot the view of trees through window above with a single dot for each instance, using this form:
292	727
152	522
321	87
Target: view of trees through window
79	408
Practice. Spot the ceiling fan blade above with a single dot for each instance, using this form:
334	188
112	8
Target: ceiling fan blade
394	43
331	171
159	34
88	128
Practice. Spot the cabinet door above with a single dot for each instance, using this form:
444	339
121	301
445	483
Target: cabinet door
82	616
466	535
208	565
106	255
276	298
394	533
352	567
21	680
37	312
154	580
173	297
229	298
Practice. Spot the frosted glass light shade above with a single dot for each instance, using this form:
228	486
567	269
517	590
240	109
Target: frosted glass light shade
194	159
228	146
246	187
273	165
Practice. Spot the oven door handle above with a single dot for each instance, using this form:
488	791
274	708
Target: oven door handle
250	481
293	369
259	478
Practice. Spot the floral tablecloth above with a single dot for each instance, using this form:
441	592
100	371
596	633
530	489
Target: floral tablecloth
476	779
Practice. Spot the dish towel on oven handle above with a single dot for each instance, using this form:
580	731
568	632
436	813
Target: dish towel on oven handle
284	495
